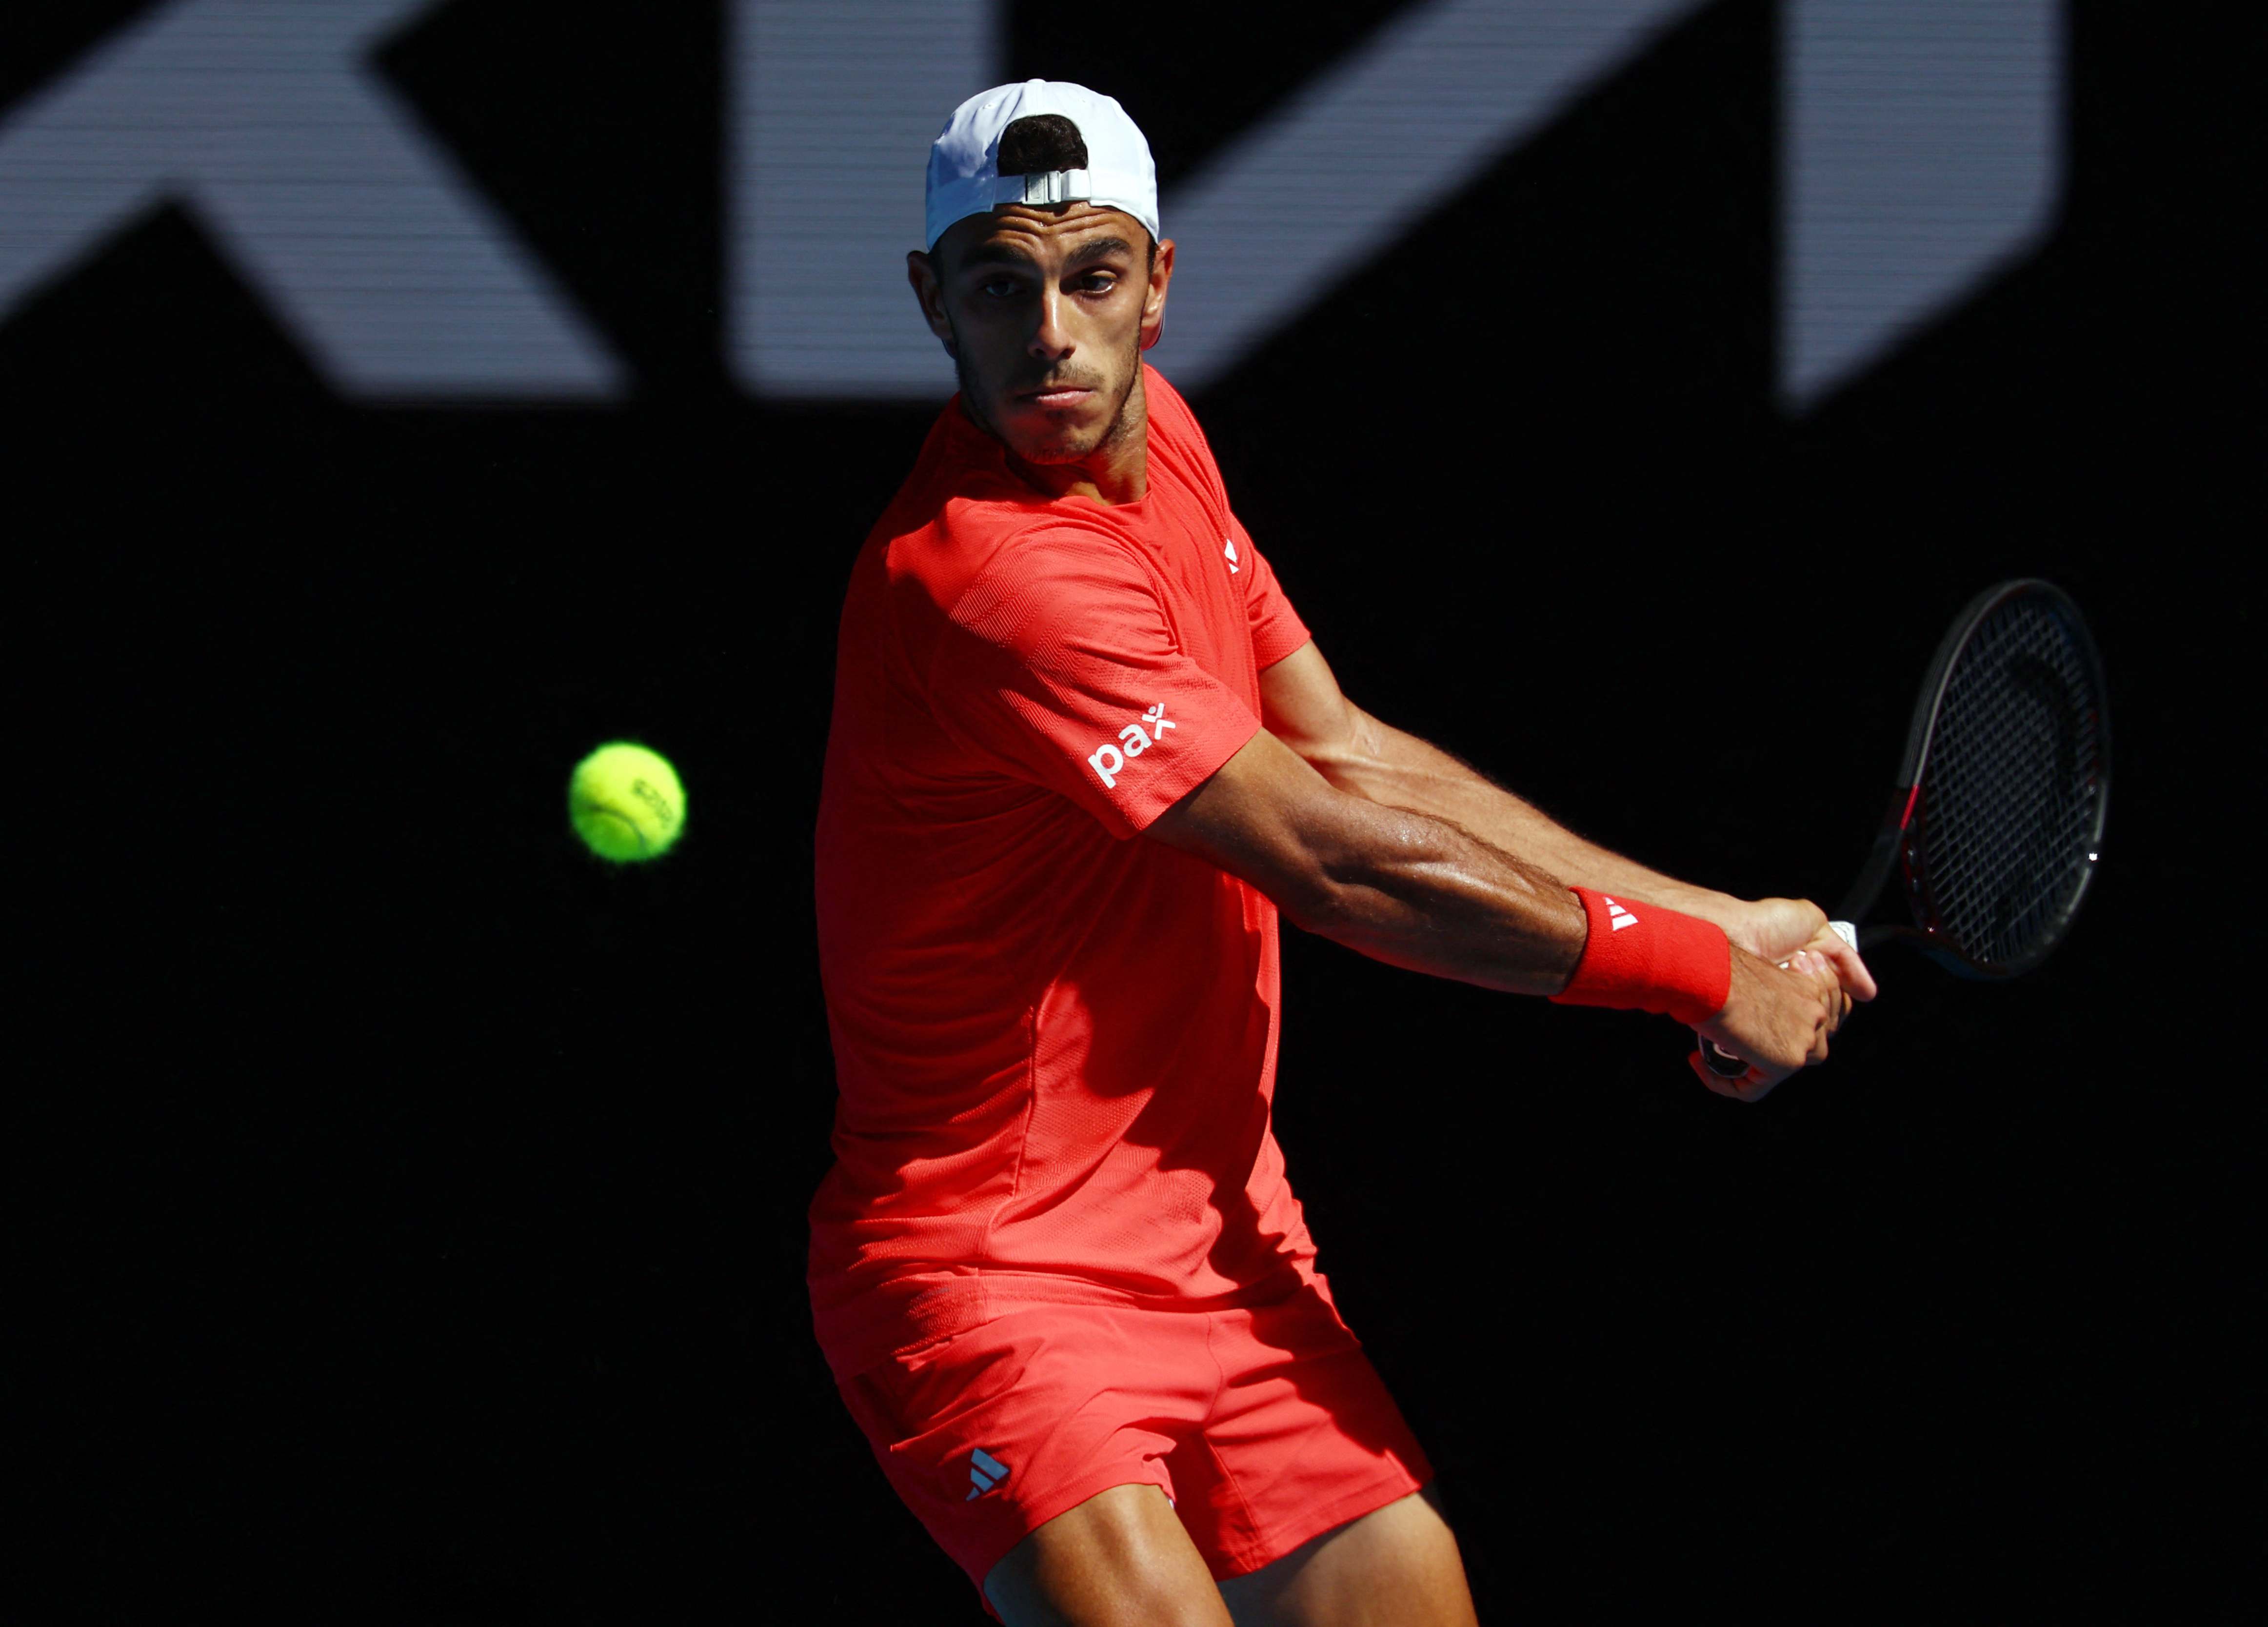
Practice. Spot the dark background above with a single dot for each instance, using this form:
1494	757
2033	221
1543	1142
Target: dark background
407	1222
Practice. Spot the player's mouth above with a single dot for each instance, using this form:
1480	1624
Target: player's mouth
1055	397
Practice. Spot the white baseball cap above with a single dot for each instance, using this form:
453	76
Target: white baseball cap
964	161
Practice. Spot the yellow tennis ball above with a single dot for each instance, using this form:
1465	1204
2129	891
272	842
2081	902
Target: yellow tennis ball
626	802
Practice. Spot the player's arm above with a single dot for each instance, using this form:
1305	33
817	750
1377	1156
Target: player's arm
1303	706
1416	890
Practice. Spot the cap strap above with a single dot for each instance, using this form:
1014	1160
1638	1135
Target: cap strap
1049	186
949	201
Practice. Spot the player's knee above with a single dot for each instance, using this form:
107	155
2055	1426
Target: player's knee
1119	1600
1122	1559
1179	1607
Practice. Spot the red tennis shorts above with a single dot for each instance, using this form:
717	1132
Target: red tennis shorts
1264	1426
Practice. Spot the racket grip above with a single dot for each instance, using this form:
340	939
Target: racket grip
1723	1063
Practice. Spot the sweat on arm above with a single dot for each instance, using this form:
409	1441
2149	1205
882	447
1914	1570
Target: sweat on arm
1403	887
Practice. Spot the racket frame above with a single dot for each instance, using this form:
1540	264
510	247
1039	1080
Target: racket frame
1896	842
1898	836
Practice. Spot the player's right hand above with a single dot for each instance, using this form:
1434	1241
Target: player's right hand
1777	1020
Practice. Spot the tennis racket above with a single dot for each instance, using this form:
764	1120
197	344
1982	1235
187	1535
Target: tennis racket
1995	823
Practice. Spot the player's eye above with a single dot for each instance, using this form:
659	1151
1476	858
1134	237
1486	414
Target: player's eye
1000	288
1098	282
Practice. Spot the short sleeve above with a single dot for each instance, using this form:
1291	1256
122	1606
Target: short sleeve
1277	630
1059	665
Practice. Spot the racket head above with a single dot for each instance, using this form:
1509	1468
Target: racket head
2006	785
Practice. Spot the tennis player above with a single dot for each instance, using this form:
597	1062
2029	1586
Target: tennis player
1083	753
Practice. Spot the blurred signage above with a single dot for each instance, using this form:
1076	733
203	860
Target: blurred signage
1919	152
265	120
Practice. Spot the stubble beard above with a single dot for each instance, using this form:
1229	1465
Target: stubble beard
977	405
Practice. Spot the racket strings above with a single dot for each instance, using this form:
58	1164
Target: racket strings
2012	787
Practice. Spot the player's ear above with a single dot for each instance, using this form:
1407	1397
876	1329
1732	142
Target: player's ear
921	272
1153	303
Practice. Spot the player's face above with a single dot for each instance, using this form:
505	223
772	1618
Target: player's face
1044	312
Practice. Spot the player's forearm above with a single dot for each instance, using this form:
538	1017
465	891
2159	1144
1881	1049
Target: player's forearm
1415	891
1387	765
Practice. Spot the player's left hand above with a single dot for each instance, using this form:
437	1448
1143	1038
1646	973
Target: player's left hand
1850	970
1773	929
1776	928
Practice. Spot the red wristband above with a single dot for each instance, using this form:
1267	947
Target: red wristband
1644	958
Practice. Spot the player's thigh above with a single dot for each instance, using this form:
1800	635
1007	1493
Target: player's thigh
1397	1564
1119	1559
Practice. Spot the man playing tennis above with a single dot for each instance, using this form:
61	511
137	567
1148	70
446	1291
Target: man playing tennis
1083	753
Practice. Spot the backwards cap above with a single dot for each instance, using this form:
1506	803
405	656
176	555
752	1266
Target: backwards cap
964	161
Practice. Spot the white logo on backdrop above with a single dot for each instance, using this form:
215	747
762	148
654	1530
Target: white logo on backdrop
265	120
1919	154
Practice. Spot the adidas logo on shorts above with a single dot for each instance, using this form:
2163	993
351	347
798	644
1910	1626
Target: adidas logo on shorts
985	1472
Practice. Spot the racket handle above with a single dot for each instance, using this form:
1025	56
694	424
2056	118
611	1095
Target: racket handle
1723	1063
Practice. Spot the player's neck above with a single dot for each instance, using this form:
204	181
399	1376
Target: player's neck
1115	472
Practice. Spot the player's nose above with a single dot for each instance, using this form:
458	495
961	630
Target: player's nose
1050	340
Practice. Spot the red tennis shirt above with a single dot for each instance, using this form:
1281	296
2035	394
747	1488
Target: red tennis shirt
1055	1040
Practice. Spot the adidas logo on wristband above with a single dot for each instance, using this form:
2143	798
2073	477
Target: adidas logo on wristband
1678	965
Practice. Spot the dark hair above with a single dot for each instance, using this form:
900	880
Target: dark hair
1041	143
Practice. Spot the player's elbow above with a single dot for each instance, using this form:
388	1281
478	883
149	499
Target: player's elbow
1325	857
1316	903
1349	756
1312	885
1338	889
1341	767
